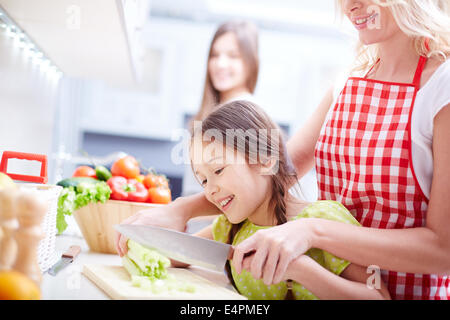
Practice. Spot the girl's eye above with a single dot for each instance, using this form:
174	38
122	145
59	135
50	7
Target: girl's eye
218	171
203	183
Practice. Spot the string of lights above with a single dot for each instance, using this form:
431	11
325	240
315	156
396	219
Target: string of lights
29	48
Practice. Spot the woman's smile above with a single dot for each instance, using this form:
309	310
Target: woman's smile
363	22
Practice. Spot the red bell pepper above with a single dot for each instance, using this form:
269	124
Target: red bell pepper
127	189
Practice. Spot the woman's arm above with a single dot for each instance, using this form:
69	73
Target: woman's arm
301	145
204	233
325	285
416	250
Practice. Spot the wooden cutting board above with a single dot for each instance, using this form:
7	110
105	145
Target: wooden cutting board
115	281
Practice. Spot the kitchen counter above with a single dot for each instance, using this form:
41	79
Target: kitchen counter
71	284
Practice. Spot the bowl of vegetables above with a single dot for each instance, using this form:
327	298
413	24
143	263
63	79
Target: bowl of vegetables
99	199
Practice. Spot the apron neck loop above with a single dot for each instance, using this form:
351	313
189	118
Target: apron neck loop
371	68
419	70
421	64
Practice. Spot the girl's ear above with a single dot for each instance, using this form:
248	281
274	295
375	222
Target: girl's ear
269	166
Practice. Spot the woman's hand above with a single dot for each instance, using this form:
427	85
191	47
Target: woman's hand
168	216
274	249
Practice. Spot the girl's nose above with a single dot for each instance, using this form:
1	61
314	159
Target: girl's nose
222	61
212	189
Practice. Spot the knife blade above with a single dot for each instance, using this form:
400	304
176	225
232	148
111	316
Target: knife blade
66	259
180	246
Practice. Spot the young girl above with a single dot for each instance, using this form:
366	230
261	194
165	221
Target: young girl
380	147
251	189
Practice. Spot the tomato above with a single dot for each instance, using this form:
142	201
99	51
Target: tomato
150	180
84	171
153	180
159	195
163	182
126	167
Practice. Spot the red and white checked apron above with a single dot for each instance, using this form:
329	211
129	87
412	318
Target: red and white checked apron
363	160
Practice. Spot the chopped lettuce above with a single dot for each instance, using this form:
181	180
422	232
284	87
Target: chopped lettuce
66	205
148	270
74	198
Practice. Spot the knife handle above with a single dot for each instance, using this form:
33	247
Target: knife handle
72	252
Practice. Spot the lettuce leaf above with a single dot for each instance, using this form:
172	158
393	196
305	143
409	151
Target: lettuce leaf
74	198
148	270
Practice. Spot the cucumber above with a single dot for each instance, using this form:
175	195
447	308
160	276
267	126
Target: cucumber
102	173
73	182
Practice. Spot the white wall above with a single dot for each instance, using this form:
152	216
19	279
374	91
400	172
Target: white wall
27	104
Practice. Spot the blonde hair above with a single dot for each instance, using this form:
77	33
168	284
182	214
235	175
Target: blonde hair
247	37
419	19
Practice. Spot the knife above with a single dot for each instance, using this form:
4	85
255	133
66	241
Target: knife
66	259
180	246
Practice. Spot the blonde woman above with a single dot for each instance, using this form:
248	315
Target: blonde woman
232	73
380	147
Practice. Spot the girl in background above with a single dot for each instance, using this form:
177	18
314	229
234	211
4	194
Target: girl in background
233	66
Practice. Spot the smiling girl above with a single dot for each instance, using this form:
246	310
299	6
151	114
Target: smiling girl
380	146
245	173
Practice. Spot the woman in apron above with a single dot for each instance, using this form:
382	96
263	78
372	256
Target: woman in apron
383	151
380	147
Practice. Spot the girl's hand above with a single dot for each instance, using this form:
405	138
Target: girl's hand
168	216
274	249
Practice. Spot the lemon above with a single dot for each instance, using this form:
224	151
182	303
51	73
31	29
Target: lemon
15	285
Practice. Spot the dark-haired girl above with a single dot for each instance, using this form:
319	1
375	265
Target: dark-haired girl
238	155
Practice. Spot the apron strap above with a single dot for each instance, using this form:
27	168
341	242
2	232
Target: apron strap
419	69
421	64
371	68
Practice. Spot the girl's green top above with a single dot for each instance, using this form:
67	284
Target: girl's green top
255	289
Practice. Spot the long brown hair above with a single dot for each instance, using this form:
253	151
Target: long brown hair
247	37
245	119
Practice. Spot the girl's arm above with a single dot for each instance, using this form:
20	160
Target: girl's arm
204	233
325	285
416	250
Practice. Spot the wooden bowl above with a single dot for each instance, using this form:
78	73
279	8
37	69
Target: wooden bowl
96	222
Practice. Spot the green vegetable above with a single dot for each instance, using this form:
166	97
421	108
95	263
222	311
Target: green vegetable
102	173
75	197
148	270
73	182
149	263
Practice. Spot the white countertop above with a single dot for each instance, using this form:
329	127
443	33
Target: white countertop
71	284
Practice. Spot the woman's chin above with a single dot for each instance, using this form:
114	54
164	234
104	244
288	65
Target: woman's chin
223	87
369	39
